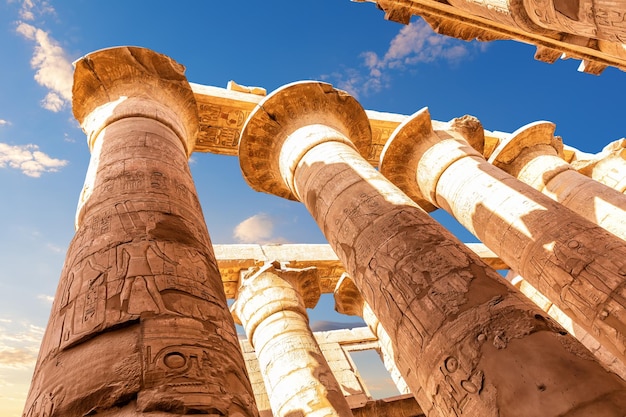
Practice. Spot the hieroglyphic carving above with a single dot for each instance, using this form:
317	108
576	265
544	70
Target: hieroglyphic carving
179	371
220	126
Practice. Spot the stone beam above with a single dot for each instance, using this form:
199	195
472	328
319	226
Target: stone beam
453	21
232	259
222	113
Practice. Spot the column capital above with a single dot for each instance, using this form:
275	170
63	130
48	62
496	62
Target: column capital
532	154
348	298
115	83
528	136
271	288
407	159
266	162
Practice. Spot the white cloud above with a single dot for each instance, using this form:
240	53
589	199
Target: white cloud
45	298
257	229
19	344
53	68
28	159
415	43
4	122
254	229
30	8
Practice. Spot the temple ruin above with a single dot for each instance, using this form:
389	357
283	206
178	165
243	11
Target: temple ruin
141	324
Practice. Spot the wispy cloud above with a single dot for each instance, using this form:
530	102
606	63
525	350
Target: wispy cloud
257	229
31	8
28	159
53	67
48	299
4	122
416	43
19	344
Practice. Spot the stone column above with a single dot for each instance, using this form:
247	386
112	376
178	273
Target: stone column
139	324
348	300
578	265
533	155
602	354
465	341
271	305
609	166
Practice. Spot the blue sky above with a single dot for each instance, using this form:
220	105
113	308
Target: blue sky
389	67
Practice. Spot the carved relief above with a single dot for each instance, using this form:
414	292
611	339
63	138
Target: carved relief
455	391
180	373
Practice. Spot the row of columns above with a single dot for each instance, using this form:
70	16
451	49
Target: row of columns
452	321
140	301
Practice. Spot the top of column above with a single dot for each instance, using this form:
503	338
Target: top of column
403	154
283	112
114	83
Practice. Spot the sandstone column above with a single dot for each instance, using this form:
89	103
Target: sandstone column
604	356
271	304
532	155
139	325
348	300
609	168
465	341
578	265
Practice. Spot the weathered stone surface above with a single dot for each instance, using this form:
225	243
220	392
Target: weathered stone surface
604	356
574	262
454	323
139	325
593	31
348	300
607	167
271	304
533	155
233	259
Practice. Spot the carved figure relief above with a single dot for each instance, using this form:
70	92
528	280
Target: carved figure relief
138	276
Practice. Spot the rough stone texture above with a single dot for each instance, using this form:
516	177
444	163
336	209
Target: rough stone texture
335	346
593	31
465	341
233	259
401	406
578	265
271	304
534	156
139	325
601	353
348	300
607	167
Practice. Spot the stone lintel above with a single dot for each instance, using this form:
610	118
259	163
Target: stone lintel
452	21
289	122
232	259
114	83
223	112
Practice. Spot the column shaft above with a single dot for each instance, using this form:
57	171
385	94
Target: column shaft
455	325
298	380
465	341
576	264
348	300
532	156
140	322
